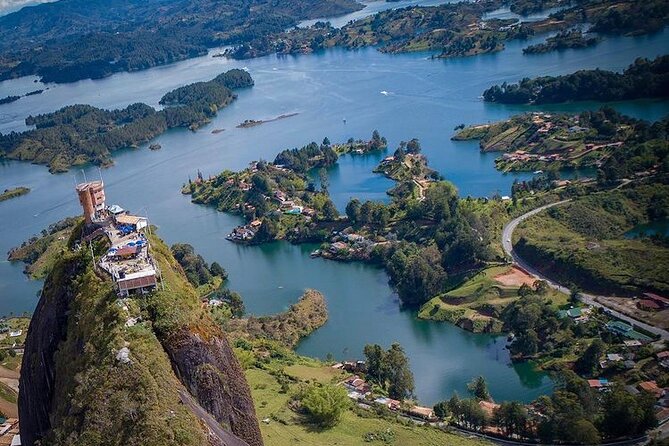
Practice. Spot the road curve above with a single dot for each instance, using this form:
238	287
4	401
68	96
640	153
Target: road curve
589	299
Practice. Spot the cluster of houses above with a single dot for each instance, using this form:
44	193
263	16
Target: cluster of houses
287	206
544	125
128	261
361	392
524	156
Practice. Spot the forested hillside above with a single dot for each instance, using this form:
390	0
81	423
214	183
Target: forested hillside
77	39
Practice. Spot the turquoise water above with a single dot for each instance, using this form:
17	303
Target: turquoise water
648	229
426	99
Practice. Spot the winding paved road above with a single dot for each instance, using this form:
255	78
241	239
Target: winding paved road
590	299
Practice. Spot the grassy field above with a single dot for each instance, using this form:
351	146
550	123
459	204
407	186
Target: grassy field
476	304
281	426
583	243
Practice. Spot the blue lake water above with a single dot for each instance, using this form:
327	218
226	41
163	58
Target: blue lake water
426	99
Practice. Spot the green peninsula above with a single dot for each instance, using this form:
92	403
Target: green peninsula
79	134
553	141
642	79
573	39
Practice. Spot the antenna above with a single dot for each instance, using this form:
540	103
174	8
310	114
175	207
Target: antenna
100	173
85	180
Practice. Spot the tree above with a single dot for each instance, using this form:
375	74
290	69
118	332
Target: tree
398	372
541	287
441	409
330	212
470	414
413	146
217	270
479	388
235	302
589	360
512	418
325	404
626	414
584	432
268	230
525	290
353	210
375	363
575	294
323	176
326	141
527	343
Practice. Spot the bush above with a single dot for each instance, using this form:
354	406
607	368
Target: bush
325	404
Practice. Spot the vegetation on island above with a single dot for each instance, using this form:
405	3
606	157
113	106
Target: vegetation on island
555	141
571	39
278	199
78	134
631	17
642	79
458	29
9	99
77	40
14	192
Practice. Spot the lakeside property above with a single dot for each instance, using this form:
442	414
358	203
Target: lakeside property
541	141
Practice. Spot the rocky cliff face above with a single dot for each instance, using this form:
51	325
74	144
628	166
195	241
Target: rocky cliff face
76	387
48	328
211	373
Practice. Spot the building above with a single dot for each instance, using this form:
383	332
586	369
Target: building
389	403
142	282
652	388
134	222
648	305
488	407
619	327
425	413
92	199
662	301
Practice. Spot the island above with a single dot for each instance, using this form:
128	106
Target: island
252	122
13	193
572	39
541	141
79	134
642	79
9	99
